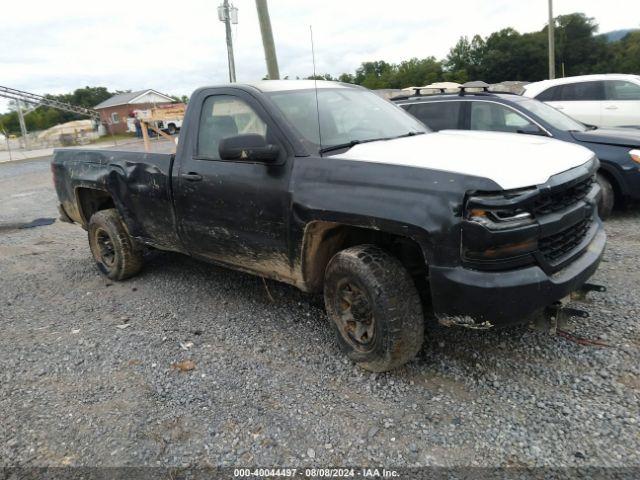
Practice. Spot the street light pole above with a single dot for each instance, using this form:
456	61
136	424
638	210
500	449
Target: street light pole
267	40
552	43
224	14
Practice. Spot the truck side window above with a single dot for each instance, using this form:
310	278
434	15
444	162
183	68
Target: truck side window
496	118
437	115
225	116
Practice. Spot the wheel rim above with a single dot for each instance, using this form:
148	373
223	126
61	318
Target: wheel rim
106	250
355	316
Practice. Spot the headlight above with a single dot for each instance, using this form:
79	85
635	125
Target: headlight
499	212
635	155
497	227
500	219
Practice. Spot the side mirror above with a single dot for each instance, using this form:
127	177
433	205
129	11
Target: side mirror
250	147
531	129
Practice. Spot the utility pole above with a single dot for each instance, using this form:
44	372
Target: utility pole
23	125
228	15
552	43
267	39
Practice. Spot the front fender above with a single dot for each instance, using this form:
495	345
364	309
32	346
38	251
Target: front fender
422	204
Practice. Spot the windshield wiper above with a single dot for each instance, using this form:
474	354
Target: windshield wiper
410	134
353	143
349	144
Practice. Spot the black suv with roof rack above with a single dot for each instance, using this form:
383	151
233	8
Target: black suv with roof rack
618	149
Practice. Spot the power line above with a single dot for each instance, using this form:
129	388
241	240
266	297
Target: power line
38	100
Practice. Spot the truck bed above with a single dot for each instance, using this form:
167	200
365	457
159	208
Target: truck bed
138	183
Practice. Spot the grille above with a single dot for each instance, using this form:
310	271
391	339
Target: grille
557	201
557	246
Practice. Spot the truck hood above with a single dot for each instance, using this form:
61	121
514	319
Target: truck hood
624	137
509	159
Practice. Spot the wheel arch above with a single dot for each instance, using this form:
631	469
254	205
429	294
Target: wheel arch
91	200
323	239
614	179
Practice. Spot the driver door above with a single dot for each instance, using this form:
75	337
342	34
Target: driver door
234	212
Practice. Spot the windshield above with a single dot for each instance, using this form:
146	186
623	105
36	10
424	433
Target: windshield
553	117
346	115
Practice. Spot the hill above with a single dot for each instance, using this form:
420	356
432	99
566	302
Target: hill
616	35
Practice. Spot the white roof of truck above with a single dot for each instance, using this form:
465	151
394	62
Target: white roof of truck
283	85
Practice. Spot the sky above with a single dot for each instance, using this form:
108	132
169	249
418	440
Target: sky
177	46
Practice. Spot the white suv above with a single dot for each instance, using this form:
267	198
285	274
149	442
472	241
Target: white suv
611	100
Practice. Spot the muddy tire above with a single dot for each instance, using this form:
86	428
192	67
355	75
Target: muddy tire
374	307
116	254
607	197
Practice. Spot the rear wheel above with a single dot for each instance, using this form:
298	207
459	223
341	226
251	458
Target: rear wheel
172	129
115	252
374	307
607	197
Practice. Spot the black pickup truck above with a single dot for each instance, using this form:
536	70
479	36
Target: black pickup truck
330	188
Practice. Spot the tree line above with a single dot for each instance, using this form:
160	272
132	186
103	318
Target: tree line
503	55
509	55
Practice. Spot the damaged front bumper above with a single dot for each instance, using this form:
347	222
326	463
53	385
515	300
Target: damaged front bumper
484	299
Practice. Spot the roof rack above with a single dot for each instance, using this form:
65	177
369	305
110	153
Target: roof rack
476	84
418	90
444	88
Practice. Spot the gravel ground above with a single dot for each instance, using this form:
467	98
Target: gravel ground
97	373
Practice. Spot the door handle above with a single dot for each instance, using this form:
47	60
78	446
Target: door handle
192	176
612	107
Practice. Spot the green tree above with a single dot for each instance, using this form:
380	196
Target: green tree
182	99
87	97
323	76
9	122
465	60
510	55
378	74
625	54
417	72
347	78
578	47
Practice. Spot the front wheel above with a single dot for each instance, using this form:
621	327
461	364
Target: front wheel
172	129
115	252
607	197
374	307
